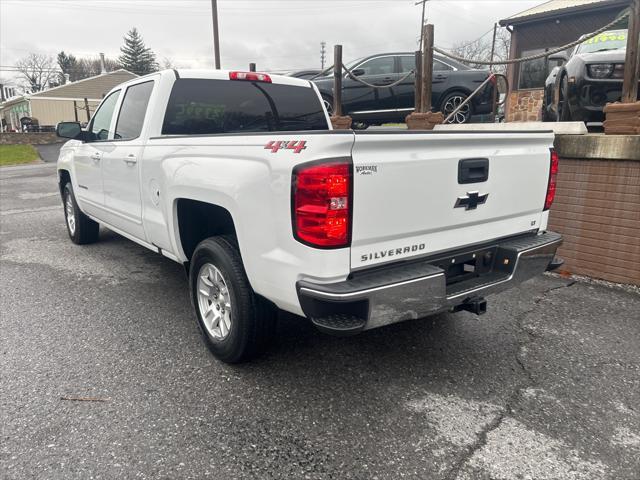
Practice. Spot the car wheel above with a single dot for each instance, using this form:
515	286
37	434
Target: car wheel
235	323
359	126
564	113
81	229
453	101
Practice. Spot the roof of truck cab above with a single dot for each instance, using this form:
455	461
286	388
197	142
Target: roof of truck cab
224	75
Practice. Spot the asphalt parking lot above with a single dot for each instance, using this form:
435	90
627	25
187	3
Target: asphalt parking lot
546	385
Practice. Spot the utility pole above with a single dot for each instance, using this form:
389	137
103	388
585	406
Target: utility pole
494	100
216	39
493	45
632	60
323	52
427	68
337	80
424	4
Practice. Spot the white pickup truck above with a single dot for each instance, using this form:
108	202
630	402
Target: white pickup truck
240	177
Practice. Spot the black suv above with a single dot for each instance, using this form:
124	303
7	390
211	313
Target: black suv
452	83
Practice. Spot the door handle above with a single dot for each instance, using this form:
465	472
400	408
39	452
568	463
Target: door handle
96	156
440	77
130	159
385	81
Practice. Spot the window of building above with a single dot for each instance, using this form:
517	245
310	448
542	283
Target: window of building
533	73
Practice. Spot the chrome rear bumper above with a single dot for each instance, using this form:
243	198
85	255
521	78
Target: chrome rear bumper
418	289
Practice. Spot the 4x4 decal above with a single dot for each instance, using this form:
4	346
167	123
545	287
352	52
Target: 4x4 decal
296	145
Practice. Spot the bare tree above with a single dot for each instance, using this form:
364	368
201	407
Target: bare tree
167	63
90	67
38	71
480	50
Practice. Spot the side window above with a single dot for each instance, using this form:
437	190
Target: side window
99	129
438	66
132	111
378	66
407	64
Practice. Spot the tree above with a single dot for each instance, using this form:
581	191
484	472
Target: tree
480	49
136	56
38	71
68	64
167	63
80	68
90	67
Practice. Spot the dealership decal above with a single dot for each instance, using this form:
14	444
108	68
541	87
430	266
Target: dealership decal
296	145
394	252
366	169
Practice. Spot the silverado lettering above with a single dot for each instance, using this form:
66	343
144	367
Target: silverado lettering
392	252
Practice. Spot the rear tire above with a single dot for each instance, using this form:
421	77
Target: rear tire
81	229
451	102
236	324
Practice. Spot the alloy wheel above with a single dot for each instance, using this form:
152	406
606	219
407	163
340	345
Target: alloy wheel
214	301
71	215
451	104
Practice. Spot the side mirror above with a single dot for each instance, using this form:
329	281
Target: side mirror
358	72
559	57
69	130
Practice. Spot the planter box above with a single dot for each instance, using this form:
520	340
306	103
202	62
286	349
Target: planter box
622	118
424	121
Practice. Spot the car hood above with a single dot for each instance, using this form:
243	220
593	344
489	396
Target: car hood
606	56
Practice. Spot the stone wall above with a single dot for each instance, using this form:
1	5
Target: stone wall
524	106
597	210
29	138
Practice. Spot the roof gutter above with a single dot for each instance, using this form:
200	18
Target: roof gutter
563	12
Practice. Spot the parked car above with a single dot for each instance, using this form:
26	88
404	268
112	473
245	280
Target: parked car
306	74
239	177
590	78
452	83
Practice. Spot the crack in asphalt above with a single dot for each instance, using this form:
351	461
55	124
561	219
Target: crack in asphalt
514	398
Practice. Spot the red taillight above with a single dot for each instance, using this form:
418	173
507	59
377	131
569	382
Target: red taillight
553	173
250	76
322	204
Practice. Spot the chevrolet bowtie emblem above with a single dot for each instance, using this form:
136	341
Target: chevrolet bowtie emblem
471	201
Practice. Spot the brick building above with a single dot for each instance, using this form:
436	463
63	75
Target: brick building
541	28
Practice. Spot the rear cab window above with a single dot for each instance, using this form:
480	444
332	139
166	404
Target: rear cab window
205	106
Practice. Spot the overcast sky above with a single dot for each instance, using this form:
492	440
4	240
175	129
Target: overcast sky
276	34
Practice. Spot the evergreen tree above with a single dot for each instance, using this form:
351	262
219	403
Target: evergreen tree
136	56
68	64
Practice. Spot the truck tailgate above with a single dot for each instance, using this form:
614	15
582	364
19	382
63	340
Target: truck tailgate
406	187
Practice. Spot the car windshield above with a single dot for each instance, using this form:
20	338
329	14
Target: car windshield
611	40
